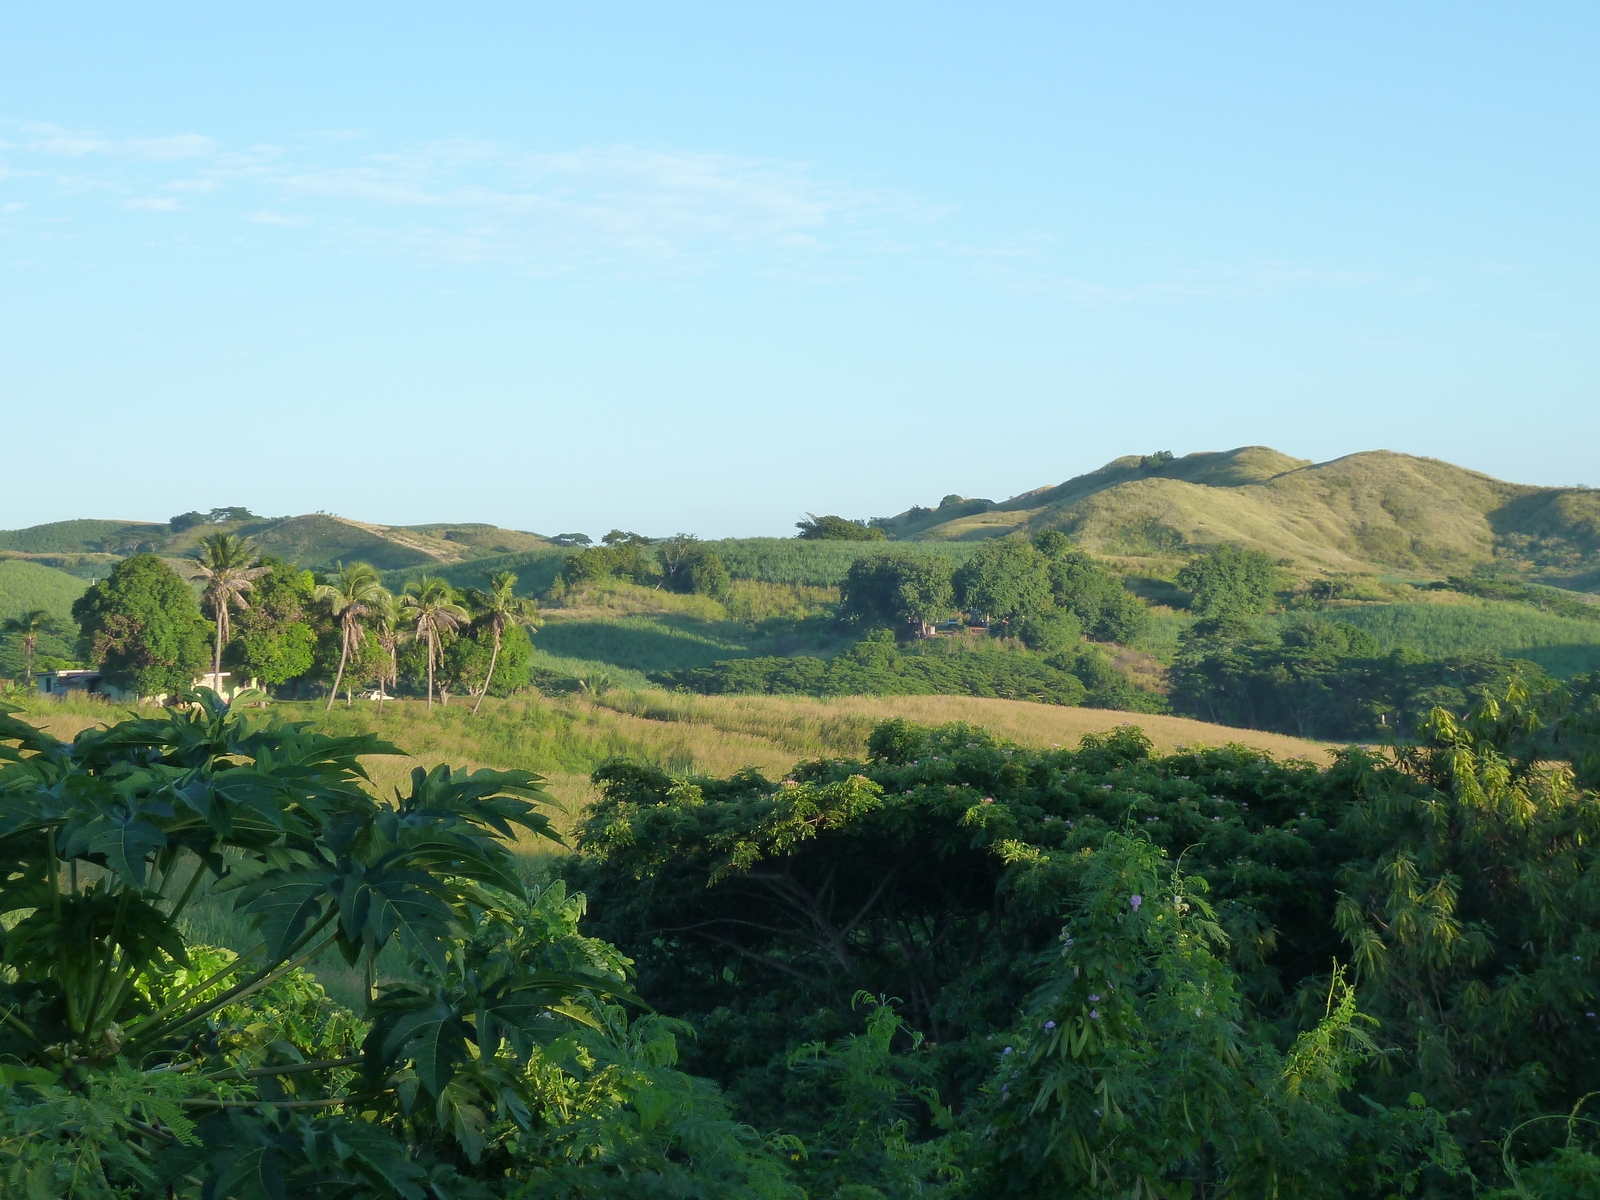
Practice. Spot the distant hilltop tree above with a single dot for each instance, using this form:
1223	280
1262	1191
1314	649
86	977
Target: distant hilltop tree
1154	462
573	539
216	516
837	529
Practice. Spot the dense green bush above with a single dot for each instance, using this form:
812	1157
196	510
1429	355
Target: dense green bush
1374	979
1229	581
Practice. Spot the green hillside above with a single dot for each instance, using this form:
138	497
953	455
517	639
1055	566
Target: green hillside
1370	512
90	548
25	586
84	537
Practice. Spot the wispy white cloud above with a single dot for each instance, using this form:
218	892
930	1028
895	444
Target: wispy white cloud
478	201
624	208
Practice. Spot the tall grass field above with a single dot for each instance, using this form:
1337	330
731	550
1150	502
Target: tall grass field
1562	646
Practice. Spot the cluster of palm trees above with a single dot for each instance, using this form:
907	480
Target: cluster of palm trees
427	611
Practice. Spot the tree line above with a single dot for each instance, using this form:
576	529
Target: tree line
291	629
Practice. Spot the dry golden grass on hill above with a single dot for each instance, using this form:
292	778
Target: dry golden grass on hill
564	738
841	725
1371	512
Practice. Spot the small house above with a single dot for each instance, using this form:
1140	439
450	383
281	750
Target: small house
88	681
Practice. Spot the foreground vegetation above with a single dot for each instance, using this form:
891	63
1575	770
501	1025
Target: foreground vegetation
941	964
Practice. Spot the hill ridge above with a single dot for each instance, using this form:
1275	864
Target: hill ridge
1370	511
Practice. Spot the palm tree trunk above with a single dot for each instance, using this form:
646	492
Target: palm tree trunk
216	656
28	644
430	669
494	657
344	655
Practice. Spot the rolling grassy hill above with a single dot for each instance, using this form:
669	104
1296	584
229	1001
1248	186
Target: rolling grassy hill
1370	512
25	586
314	540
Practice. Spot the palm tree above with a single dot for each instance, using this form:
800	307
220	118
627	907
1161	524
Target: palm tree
28	627
429	607
228	565
389	636
355	592
503	607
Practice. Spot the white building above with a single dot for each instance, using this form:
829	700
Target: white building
87	681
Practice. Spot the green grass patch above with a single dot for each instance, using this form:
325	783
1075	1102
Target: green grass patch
1562	646
648	642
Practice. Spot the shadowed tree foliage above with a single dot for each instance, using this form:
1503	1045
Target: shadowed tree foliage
1107	611
897	588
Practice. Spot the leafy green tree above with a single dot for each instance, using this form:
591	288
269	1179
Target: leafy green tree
429	606
142	626
708	575
1229	581
837	529
27	628
355	593
274	641
1107	610
688	565
898	587
227	564
1050	631
499	608
1007	579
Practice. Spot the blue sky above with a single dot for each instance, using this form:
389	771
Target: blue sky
708	267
